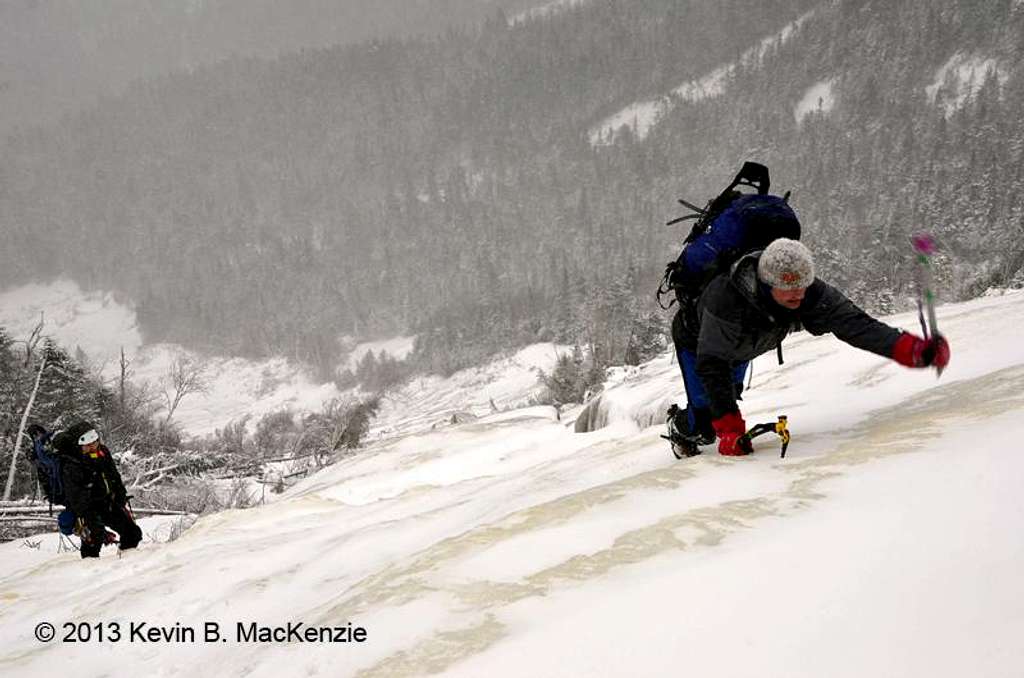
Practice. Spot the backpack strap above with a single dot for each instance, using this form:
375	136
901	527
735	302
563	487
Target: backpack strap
666	285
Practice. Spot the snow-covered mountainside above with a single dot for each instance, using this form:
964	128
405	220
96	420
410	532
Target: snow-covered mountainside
886	543
962	77
101	326
641	116
959	79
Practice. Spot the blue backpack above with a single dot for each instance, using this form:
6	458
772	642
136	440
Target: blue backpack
48	471
730	226
48	465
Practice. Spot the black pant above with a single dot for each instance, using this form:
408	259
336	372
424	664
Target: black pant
117	519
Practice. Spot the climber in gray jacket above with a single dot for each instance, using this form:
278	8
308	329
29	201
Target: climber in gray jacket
749	311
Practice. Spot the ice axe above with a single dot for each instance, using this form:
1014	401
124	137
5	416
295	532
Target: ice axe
780	427
925	246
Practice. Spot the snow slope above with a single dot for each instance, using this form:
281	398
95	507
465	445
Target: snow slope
819	97
431	402
887	543
396	347
95	322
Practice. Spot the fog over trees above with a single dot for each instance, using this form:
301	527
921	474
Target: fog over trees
446	186
57	56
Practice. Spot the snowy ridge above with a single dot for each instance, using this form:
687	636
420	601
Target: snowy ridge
780	38
544	10
639	118
711	85
888	541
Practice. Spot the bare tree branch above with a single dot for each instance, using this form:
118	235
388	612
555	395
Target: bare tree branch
185	377
160	474
125	373
33	339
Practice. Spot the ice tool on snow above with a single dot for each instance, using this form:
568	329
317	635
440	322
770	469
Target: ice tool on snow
780	427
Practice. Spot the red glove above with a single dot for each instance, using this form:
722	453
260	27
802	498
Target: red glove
912	351
730	430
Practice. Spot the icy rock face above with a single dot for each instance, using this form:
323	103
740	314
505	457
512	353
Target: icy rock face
602	411
593	417
637	395
463	418
653	414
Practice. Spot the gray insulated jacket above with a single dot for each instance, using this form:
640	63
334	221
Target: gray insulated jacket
739	321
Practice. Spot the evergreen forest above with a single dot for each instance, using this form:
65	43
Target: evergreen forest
447	186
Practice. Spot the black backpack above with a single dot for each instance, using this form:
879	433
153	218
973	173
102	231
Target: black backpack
731	225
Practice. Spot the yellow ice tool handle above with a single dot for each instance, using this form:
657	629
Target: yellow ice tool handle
781	428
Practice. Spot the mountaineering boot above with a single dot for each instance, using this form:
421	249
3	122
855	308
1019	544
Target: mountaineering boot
703	433
684	443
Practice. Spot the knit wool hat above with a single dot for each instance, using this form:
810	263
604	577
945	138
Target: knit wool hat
786	264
